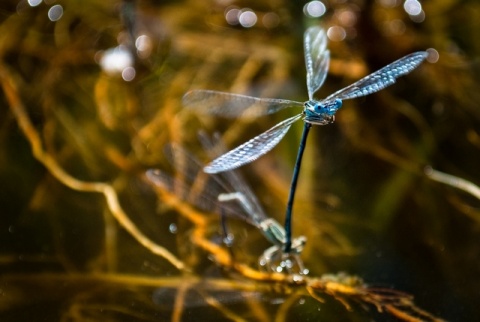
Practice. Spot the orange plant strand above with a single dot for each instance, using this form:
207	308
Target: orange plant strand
222	256
53	167
182	292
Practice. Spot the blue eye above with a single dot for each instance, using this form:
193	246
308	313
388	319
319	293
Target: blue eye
330	108
319	108
338	103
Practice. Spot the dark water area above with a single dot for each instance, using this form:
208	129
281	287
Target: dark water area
92	93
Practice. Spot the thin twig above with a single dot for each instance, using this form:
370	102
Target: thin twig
453	181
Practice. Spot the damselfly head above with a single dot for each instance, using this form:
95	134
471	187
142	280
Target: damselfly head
321	113
324	107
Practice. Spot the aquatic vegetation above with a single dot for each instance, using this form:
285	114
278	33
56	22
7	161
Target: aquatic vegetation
85	236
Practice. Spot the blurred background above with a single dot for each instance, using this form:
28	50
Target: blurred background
101	83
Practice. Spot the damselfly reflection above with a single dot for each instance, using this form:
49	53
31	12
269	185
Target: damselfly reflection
228	193
317	112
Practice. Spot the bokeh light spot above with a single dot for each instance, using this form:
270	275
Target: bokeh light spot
336	33
347	17
115	60
433	55
55	12
247	18
34	3
231	15
143	43
128	74
314	9
412	7
271	20
173	228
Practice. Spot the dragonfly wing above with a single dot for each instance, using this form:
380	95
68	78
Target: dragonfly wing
234	105
317	58
382	78
253	149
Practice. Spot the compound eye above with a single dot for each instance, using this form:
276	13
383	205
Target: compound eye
318	108
338	103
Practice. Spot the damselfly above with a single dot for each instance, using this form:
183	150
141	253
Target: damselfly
228	193
315	112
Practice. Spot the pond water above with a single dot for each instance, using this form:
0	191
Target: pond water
91	95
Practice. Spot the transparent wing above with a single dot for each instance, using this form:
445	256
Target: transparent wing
198	188
206	200
253	149
160	179
382	78
234	105
215	147
317	58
